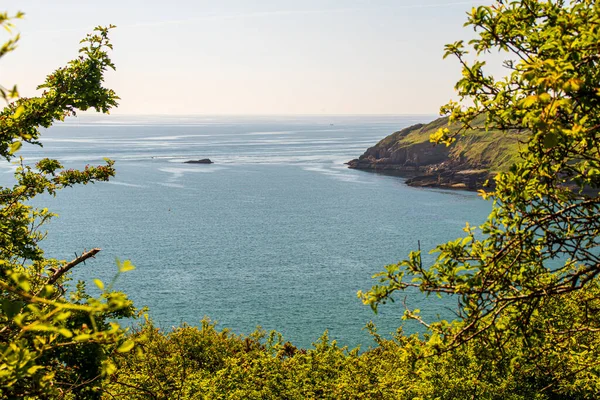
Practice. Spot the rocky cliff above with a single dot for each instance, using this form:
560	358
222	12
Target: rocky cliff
467	164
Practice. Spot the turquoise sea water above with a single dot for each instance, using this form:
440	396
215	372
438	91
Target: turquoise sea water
278	232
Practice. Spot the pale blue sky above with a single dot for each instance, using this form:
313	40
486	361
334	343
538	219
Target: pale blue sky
254	57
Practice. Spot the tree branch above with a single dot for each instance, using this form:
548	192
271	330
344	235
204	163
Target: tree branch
67	267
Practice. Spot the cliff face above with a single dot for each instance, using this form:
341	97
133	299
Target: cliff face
467	164
399	156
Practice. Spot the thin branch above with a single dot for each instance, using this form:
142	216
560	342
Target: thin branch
63	270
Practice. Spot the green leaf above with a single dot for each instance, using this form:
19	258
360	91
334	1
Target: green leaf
65	332
15	146
126	346
529	101
82	337
34	369
99	283
108	368
125	266
23	282
11	307
18	112
545	98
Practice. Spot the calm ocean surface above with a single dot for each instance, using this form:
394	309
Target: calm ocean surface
278	232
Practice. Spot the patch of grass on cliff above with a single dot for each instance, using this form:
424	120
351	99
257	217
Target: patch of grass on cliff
494	150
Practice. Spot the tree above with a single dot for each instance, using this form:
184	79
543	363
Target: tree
52	344
528	278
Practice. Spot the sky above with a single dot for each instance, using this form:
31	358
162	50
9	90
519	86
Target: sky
253	57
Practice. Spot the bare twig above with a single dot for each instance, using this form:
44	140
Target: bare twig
67	267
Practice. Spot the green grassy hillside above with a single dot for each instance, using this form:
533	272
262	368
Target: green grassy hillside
493	150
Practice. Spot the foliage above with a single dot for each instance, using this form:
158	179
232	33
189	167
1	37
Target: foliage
203	363
526	283
528	280
7	47
52	344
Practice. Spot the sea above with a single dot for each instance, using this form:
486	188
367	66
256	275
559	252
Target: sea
277	233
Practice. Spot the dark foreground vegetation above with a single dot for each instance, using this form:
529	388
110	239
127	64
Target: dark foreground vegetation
525	283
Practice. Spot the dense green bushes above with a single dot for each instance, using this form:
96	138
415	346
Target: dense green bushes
197	363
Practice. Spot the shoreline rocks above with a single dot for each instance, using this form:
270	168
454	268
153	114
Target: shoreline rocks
439	175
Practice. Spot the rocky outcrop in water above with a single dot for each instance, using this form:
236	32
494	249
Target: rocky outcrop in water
467	164
202	161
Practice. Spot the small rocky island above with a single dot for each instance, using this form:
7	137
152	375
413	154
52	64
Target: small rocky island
202	161
467	164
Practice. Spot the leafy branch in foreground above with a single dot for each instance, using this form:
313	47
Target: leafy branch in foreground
529	277
52	344
7	47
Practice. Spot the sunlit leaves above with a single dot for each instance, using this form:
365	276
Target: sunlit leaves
539	245
52	345
99	283
126	346
78	86
6	22
125	266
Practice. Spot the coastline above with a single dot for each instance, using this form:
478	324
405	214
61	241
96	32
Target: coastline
441	176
